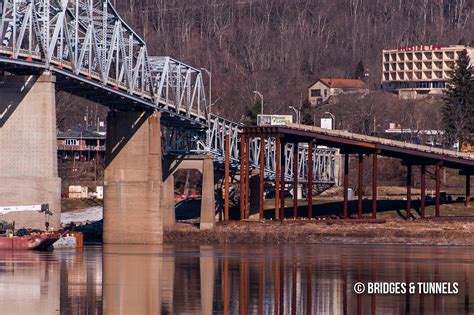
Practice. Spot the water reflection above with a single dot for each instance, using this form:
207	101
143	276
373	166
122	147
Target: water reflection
295	279
28	277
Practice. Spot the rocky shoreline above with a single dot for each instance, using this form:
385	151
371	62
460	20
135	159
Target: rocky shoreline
449	231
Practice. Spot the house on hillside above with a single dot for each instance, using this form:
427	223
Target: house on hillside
81	144
321	90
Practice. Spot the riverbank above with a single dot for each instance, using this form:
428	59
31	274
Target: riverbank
449	231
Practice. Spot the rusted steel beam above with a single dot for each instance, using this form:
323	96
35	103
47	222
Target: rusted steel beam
260	287
309	284
344	288
241	287
438	184
468	191
310	180
276	284
242	176
227	176
226	285
409	180
384	149
277	177
247	177
262	174
282	286
295	180
423	190
373	309
282	191
346	185
359	296
293	288
360	185
246	287
374	185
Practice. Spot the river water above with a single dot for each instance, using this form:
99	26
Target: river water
182	279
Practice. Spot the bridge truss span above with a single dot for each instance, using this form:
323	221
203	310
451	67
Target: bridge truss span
94	53
324	163
87	40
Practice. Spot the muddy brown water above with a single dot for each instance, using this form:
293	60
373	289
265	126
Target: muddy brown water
181	279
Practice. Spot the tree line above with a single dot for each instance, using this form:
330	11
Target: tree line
279	47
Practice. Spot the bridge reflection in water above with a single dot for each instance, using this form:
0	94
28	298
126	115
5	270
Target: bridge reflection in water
292	279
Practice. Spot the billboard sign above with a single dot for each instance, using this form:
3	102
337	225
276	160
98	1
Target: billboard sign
326	123
274	120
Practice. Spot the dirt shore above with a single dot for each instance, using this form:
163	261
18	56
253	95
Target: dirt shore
449	231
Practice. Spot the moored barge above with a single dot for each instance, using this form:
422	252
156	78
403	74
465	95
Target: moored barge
43	241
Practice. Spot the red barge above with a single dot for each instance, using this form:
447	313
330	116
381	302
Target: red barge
34	241
42	241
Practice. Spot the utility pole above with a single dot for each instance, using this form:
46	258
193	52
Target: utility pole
297	113
261	101
333	119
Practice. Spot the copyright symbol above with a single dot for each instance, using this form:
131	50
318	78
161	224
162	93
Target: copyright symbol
359	288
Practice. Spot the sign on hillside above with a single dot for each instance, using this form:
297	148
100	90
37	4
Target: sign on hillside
274	120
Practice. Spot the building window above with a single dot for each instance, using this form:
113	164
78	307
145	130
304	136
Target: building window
326	93
315	93
422	85
71	142
438	85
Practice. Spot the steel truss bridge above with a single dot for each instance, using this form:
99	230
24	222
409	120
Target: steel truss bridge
94	54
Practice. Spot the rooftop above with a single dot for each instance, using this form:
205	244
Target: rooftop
344	83
80	133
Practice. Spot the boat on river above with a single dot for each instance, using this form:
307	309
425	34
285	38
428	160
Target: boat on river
40	241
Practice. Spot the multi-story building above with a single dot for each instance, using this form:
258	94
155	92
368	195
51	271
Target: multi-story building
419	70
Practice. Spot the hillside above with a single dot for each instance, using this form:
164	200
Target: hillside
279	47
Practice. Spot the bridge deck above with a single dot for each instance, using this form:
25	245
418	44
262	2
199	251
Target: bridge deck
355	143
349	143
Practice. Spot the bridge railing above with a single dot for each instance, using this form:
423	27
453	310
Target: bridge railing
395	143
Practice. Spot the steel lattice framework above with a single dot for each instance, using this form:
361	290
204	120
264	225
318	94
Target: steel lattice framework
88	39
324	163
87	42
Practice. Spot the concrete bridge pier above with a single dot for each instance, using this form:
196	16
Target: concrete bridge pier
207	277
28	152
133	179
202	163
